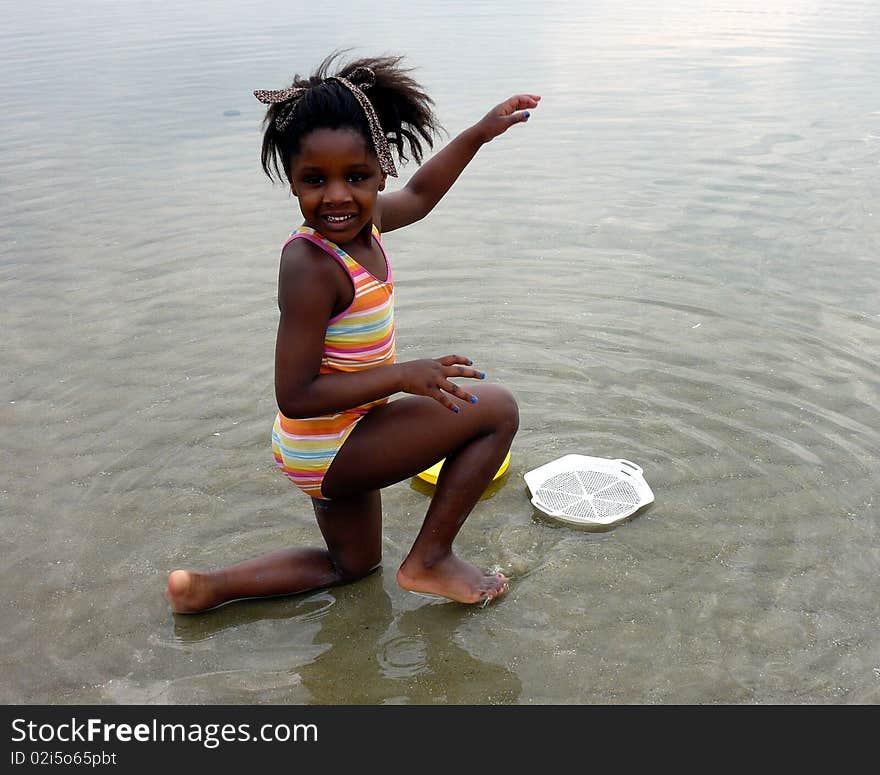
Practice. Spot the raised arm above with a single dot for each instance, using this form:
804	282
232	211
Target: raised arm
428	186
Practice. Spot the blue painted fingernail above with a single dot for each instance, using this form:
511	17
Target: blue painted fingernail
482	375
473	399
457	410
528	114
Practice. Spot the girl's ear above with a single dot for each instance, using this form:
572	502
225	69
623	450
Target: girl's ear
293	191
382	184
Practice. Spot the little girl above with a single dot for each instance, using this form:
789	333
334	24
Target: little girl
336	435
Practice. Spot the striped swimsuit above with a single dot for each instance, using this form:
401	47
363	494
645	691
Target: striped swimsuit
361	337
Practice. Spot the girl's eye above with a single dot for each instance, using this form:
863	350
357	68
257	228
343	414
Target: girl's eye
313	180
357	177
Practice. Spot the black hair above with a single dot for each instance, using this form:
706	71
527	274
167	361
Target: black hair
405	112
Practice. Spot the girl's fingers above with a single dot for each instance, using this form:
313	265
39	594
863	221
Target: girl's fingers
516	109
458	366
520	102
458	392
451	360
463	371
443	399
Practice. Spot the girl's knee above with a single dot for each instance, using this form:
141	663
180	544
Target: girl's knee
500	407
352	569
352	530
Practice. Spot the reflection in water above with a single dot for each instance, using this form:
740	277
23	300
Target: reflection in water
362	652
379	655
190	629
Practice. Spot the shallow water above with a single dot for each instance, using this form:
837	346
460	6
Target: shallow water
673	262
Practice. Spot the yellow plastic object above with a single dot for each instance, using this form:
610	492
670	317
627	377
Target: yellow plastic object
434	471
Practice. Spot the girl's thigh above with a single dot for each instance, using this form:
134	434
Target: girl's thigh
401	438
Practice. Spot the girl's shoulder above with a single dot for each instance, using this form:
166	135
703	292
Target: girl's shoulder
300	233
304	256
305	268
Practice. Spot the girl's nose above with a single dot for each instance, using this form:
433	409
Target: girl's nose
336	192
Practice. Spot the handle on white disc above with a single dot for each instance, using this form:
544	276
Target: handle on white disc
628	464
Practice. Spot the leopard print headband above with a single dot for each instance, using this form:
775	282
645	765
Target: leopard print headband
362	78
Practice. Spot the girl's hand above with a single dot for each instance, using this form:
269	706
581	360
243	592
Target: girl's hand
503	116
430	377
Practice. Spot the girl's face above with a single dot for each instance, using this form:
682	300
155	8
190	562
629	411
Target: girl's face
337	179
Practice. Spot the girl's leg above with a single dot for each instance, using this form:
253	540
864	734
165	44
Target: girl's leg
402	438
352	529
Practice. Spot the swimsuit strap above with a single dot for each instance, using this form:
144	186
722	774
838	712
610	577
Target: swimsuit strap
354	269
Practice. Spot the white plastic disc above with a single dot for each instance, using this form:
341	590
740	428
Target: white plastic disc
585	490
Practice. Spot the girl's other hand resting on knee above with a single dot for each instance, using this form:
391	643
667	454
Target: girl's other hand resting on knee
431	377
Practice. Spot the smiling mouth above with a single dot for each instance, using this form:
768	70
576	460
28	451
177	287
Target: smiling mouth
338	218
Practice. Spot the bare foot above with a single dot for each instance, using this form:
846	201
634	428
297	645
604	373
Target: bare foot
190	593
452	578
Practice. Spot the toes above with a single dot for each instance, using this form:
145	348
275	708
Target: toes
180	592
496	590
178	582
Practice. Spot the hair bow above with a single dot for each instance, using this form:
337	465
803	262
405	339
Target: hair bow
359	79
